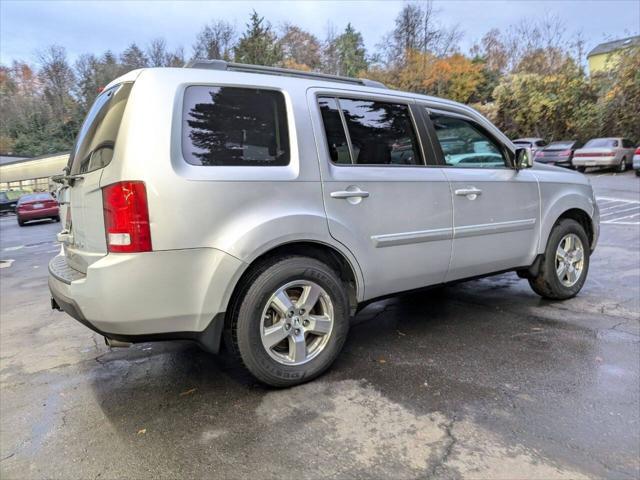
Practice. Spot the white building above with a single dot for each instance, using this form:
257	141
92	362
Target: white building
31	174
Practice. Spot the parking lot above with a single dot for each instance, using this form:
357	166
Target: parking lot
476	380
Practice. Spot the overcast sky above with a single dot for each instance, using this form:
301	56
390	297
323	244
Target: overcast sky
95	26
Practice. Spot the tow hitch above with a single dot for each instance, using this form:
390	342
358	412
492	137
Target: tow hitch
54	305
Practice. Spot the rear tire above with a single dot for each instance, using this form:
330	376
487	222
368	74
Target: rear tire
56	219
637	173
20	223
258	310
623	165
549	282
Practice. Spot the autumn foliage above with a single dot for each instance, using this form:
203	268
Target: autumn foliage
529	80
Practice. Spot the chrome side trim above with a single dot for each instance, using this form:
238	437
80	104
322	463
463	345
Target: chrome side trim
405	238
491	228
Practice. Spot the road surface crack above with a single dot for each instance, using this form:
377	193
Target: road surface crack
450	442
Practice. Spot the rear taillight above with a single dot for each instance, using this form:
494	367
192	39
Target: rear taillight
637	151
565	153
539	153
126	217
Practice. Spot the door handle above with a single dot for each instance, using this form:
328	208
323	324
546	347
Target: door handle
471	193
350	194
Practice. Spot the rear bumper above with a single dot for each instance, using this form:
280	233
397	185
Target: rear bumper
595	161
148	296
565	162
636	162
38	214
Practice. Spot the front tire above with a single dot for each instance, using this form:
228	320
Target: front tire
565	264
20	223
289	320
581	169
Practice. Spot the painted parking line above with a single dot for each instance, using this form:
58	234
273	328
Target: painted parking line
619	211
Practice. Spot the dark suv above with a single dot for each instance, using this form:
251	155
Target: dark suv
8	201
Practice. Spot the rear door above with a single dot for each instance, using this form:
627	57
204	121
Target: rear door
84	239
496	208
382	202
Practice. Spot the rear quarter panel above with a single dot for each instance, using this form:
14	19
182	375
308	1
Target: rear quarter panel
243	211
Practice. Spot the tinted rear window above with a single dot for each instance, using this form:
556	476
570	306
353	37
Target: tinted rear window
601	143
559	145
230	126
381	133
97	138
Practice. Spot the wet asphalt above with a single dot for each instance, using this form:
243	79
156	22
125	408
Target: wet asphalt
476	380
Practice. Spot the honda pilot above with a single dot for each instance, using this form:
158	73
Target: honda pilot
258	208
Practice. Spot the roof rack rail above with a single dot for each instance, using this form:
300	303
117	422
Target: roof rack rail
288	72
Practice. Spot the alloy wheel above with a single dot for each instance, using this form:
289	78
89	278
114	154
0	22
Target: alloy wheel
297	322
569	260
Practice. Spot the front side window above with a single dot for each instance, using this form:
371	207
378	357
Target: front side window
230	126
381	133
465	144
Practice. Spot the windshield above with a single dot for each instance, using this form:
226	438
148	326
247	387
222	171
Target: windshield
96	140
601	142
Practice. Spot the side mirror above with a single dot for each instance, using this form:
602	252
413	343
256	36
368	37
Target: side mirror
524	158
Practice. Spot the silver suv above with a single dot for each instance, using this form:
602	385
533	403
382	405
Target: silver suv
257	208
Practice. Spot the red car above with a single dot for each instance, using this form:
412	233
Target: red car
36	206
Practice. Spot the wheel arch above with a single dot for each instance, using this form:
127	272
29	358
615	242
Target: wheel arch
579	215
342	262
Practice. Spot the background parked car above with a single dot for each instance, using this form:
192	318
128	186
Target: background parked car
636	161
603	153
36	206
533	143
8	202
558	153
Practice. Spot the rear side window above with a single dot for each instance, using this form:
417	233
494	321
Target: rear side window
334	130
380	133
230	126
97	138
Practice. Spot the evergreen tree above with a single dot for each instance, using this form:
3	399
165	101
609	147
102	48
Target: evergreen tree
258	45
351	53
133	57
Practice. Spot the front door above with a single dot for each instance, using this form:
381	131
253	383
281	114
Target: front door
382	202
496	208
